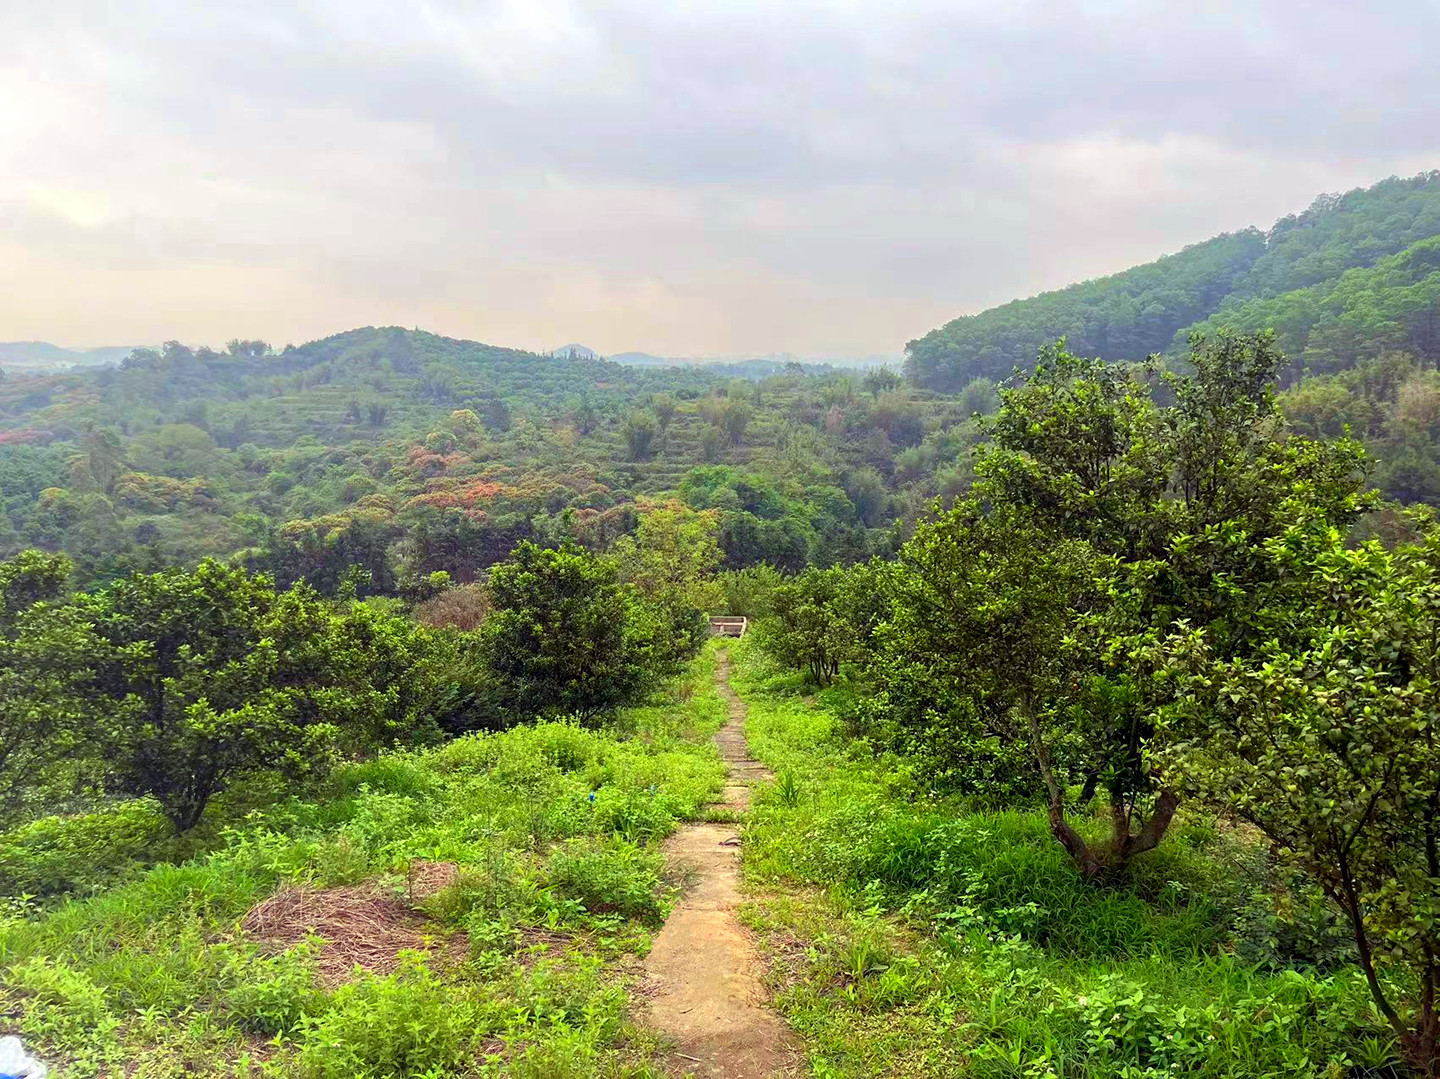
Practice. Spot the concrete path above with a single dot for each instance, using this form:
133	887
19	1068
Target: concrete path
704	971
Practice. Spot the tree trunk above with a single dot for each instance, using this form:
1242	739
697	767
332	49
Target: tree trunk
1148	838
1079	851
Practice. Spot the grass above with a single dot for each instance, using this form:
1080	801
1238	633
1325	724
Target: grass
905	935
910	936
554	832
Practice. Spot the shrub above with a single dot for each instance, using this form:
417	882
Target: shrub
54	855
614	876
270	995
404	1024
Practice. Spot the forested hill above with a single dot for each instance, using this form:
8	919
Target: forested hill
1315	277
407	453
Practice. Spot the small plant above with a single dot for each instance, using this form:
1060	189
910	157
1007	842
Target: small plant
787	790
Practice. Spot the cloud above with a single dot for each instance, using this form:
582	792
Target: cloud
717	176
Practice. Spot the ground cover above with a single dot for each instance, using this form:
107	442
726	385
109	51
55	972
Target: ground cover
914	936
472	909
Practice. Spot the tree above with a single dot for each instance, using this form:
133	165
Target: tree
973	660
866	488
205	676
806	631
1174	506
639	434
1328	741
670	560
825	617
735	419
247	349
561	638
185	673
882	380
47	658
664	406
105	457
29	578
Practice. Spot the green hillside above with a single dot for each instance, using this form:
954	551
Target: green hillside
1152	308
411	453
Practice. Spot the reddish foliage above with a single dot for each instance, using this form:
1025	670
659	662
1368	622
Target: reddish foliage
24	436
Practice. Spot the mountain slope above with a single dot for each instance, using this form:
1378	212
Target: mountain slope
1150	307
43	355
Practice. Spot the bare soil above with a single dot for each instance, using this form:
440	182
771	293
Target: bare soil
704	971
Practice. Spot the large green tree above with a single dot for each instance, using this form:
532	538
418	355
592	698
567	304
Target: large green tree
1327	740
1170	507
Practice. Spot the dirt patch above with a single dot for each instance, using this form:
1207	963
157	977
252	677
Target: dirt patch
358	926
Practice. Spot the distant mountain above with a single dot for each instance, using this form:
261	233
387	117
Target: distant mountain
43	355
774	363
1283	277
644	359
574	352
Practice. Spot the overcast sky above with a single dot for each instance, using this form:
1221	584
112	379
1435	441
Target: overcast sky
681	178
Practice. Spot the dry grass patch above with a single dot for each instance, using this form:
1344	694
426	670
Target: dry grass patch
358	926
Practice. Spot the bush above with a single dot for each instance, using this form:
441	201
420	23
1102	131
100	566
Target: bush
54	855
62	1002
271	995
404	1024
613	877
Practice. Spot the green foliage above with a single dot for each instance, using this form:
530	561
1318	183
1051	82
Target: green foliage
1100	519
1326	742
923	938
54	855
618	877
1293	279
1125	316
824	617
409	454
156	975
639	433
566	637
404	1024
177	684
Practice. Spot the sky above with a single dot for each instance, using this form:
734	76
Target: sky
683	178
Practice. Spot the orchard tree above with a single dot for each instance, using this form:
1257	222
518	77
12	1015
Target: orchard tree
825	617
670	560
183	686
202	677
664	406
563	637
973	661
47	658
1328	742
639	434
1174	506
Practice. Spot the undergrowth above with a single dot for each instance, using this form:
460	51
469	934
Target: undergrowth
113	966
914	936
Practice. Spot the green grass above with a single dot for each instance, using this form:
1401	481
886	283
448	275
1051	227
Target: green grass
910	936
555	831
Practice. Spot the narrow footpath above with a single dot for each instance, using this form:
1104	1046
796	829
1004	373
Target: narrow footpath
704	971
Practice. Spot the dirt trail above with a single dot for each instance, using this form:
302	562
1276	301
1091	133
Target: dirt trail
704	970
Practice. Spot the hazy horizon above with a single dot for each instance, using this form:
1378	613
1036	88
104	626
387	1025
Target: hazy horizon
719	180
